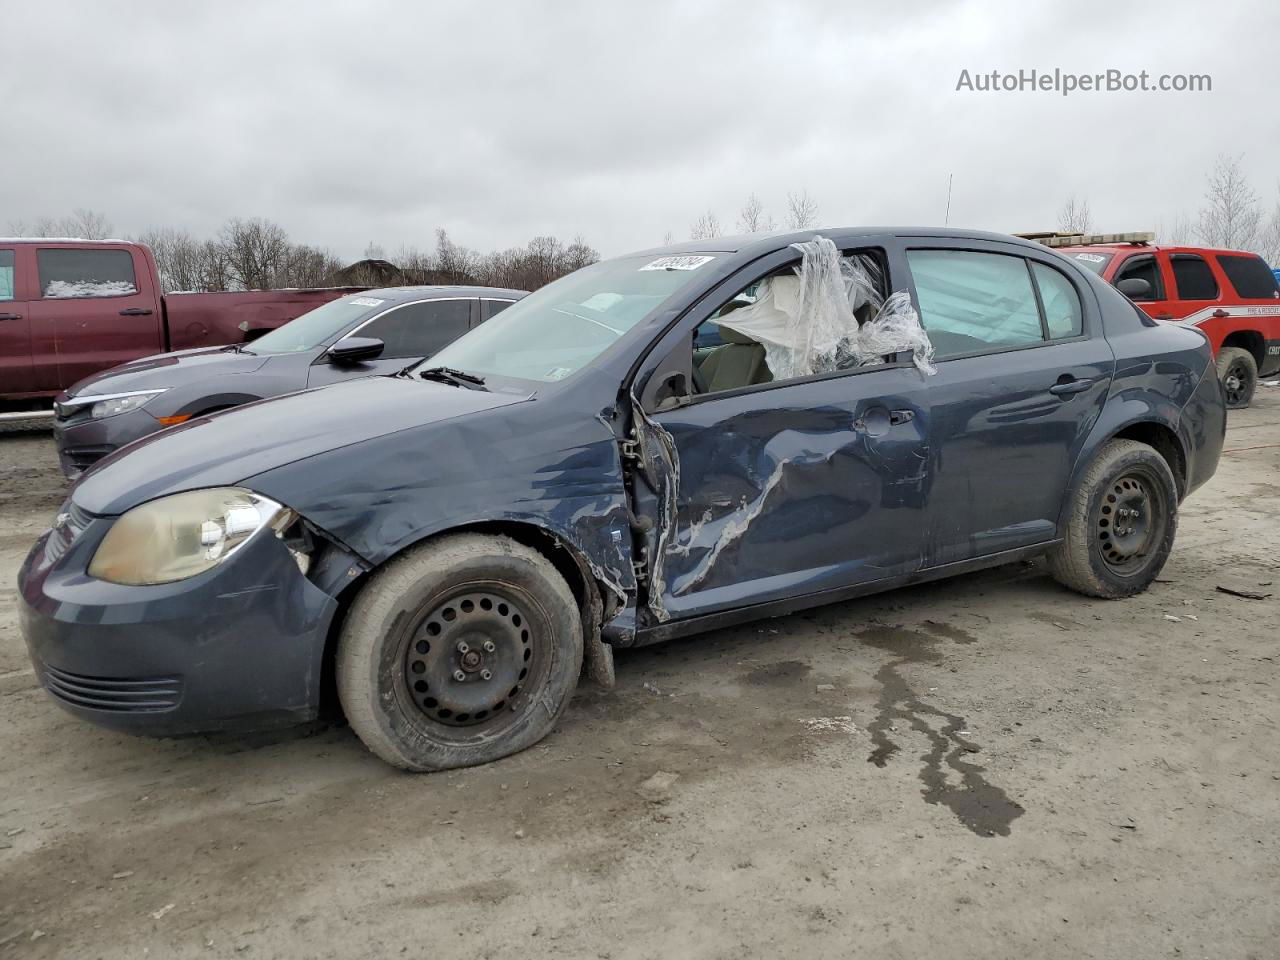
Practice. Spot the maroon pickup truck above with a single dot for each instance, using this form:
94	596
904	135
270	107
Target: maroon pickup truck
69	308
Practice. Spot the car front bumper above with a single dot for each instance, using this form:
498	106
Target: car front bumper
239	647
82	442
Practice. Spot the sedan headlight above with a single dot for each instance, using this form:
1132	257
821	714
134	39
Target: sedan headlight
177	537
122	403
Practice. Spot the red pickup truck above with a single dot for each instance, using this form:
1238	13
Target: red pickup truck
1230	295
69	308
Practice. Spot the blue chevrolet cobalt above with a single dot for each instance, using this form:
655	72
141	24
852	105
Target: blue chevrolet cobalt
653	446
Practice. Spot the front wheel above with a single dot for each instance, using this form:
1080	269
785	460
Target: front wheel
1238	372
1121	522
459	652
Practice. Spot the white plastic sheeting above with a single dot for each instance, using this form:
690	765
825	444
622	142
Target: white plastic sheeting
808	323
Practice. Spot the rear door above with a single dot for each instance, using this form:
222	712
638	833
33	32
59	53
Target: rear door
409	332
1196	293
15	325
95	307
1023	372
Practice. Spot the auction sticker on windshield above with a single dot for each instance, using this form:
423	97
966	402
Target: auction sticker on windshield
366	302
677	263
1091	257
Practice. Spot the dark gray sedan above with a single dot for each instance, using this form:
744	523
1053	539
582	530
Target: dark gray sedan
377	331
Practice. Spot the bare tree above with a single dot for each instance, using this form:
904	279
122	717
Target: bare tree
668	239
1179	231
1268	246
1231	216
374	251
1075	215
256	252
179	258
705	227
82	224
802	210
752	218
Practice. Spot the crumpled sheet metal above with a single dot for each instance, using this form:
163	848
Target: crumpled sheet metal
807	323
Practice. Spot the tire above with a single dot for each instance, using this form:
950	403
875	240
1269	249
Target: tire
485	608
1238	371
1100	558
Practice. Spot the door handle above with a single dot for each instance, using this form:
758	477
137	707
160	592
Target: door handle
135	312
10	316
1219	314
1163	316
1065	388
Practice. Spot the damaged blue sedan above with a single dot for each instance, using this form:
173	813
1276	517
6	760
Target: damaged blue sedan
653	446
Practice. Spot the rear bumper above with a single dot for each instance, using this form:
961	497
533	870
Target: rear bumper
82	443
239	647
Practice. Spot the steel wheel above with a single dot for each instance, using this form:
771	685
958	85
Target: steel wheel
1130	522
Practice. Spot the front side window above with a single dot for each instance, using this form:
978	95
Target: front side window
974	302
1251	278
419	329
8	280
560	328
1062	313
491	308
76	274
1193	278
1142	268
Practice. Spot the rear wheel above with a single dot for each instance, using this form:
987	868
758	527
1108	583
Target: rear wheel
462	651
1121	523
1238	372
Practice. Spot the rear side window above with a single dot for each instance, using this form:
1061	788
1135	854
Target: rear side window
7	282
1062	313
973	302
419	329
1193	277
77	274
1249	276
1142	268
491	308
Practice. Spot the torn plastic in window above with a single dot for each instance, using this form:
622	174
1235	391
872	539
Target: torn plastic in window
830	316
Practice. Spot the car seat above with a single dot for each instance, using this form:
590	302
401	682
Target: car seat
739	363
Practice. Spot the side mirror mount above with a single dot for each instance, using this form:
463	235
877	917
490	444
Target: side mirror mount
672	392
1135	288
351	350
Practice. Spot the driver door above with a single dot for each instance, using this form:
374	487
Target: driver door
775	488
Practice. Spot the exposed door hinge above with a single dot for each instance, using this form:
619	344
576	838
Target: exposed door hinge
640	567
630	449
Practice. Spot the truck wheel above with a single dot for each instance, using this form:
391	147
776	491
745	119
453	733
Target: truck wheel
1120	524
462	651
1238	372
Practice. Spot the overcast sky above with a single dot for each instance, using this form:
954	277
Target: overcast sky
351	123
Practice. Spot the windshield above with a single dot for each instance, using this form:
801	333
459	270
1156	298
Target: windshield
562	327
1097	262
315	327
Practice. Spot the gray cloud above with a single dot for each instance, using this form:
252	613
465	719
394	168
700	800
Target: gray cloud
381	121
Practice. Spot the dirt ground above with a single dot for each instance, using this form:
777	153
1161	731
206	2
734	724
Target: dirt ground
987	767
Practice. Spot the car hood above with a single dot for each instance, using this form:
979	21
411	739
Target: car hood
166	370
225	448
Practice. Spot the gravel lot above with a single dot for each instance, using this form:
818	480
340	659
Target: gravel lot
987	767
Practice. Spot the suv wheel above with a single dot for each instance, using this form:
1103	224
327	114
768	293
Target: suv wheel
1121	523
1238	372
461	651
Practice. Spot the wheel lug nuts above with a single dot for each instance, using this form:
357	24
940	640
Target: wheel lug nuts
486	675
462	646
489	647
459	676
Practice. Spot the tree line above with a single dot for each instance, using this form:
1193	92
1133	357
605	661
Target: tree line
258	254
1231	215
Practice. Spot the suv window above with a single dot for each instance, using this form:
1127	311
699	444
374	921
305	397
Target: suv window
973	302
7	282
419	329
1250	277
76	274
1193	278
1062	313
1142	268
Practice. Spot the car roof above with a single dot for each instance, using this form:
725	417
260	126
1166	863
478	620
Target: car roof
405	294
1152	248
744	243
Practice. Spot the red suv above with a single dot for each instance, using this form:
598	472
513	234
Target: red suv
1229	294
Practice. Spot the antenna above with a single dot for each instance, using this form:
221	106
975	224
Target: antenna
947	219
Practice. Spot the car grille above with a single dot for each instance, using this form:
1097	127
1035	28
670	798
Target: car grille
81	459
114	694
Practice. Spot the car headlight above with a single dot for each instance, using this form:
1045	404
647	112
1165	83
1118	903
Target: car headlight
177	537
122	403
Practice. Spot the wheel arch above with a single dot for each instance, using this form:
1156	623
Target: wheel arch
1165	441
1251	341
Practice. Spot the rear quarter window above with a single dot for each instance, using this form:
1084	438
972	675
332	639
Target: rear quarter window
73	274
1249	276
